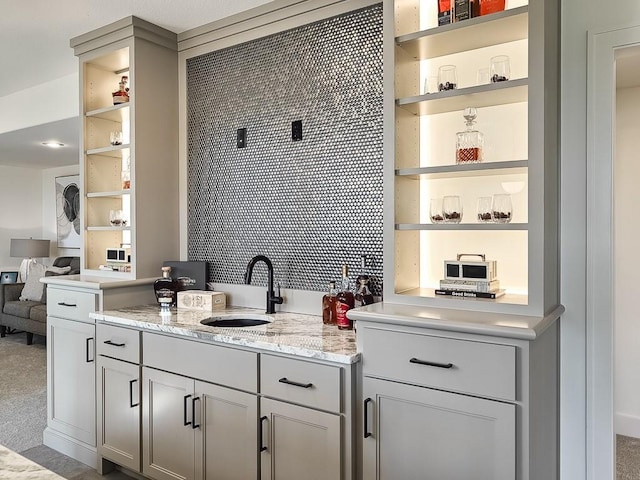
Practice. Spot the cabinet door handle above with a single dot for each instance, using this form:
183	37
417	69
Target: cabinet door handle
184	410
263	447
109	342
431	364
131	404
365	422
65	304
89	360
295	384
194	425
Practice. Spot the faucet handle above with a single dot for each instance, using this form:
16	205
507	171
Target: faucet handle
278	289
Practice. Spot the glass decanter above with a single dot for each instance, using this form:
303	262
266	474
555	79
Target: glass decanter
470	142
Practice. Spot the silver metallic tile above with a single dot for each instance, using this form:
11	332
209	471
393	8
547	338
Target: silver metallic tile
308	205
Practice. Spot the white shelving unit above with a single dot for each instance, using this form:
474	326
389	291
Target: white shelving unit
520	117
148	122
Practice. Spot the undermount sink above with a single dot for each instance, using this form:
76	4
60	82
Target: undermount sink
238	320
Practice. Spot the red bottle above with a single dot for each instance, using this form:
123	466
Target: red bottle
345	301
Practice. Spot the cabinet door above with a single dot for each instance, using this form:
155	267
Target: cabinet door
226	433
168	439
119	412
418	433
298	442
71	379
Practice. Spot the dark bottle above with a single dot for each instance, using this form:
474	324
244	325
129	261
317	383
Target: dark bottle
345	301
462	10
166	289
329	305
363	292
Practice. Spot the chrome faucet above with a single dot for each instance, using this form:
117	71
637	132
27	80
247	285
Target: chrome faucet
272	298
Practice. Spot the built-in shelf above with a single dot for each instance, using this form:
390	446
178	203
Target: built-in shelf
108	229
114	113
462	226
110	151
466	170
507	298
502	27
113	194
499	93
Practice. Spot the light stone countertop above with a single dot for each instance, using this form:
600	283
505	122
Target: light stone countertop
16	467
290	333
523	327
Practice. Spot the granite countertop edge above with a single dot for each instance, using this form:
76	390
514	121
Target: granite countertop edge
299	335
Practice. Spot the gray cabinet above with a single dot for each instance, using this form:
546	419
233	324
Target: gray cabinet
445	405
417	433
299	442
118	395
71	380
119	412
194	429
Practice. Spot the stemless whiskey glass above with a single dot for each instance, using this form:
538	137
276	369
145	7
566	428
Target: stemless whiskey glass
501	208
452	209
500	68
435	210
485	213
447	78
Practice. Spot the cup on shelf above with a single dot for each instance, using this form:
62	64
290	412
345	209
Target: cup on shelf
431	85
452	209
126	179
484	76
500	68
502	208
485	213
115	138
117	218
435	210
447	78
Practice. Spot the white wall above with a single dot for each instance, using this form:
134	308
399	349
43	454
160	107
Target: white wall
49	209
28	209
20	209
626	234
578	18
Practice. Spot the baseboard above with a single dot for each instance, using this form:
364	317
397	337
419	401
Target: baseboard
70	447
627	425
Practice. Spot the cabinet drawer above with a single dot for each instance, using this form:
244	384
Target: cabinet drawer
117	342
457	365
306	383
226	366
71	304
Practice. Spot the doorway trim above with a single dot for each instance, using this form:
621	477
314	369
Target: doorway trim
601	94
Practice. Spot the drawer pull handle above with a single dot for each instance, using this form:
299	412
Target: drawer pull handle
131	404
184	410
431	364
87	341
367	433
295	384
194	425
109	342
65	304
263	447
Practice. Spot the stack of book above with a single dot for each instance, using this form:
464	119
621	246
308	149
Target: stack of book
470	288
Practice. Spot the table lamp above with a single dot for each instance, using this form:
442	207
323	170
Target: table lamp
28	249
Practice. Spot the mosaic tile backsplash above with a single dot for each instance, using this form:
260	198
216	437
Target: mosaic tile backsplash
309	205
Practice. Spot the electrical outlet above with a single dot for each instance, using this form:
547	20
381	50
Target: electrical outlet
296	130
241	140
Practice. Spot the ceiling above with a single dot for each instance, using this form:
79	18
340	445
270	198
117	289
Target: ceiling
36	34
